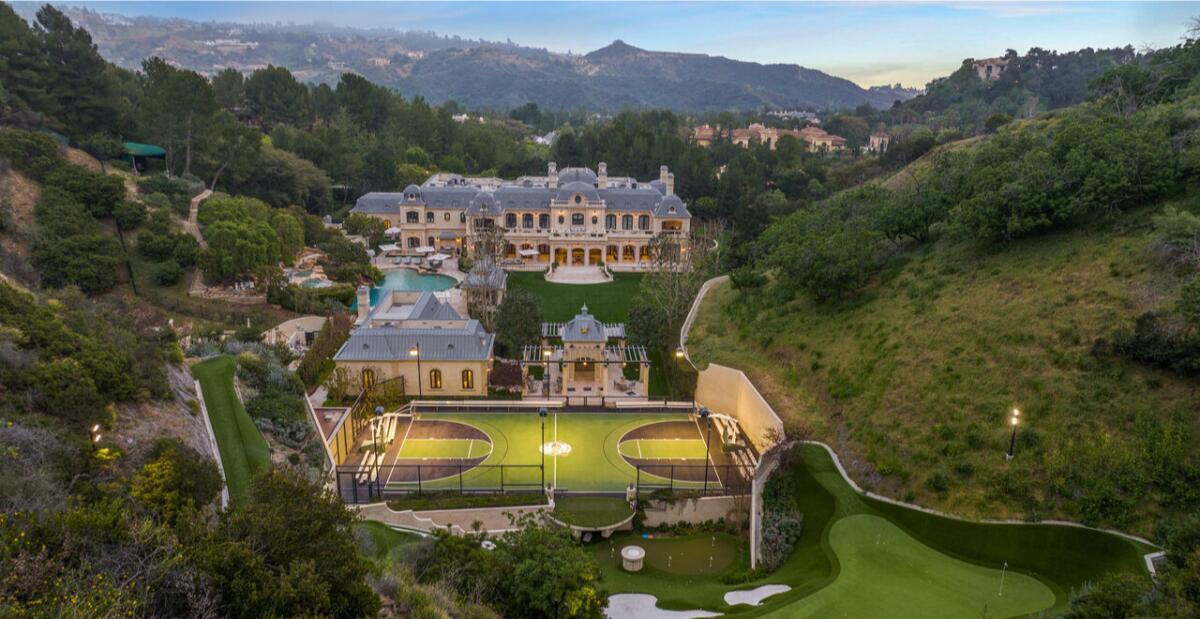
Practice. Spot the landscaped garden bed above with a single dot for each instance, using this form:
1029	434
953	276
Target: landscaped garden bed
465	501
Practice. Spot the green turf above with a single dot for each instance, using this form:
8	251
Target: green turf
660	448
560	302
592	511
594	463
689	581
886	572
443	448
243	448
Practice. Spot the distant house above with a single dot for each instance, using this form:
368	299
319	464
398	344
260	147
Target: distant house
990	69
546	140
878	142
814	138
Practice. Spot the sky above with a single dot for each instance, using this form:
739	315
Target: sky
868	42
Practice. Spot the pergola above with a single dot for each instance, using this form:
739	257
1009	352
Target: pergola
611	329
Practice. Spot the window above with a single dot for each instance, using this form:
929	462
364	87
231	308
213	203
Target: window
610	222
576	219
578	199
413	217
527	220
431	242
414	241
368	378
561	220
462	217
644	222
510	221
445	216
435	379
468	379
595	220
627	222
429	217
543	221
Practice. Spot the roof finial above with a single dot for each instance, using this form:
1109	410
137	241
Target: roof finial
584	309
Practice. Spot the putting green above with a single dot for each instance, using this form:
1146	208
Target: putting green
654	448
885	572
594	463
425	448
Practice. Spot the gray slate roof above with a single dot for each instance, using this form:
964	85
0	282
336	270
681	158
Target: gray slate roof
584	328
485	276
471	343
516	195
428	307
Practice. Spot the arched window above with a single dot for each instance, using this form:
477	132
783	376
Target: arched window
543	221
462	218
527	220
561	220
610	222
576	219
413	217
446	216
431	242
368	378
414	242
468	379
595	220
627	222
644	222
435	379
510	220
429	217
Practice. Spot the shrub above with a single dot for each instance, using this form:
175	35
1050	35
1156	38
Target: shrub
33	154
168	273
99	193
129	215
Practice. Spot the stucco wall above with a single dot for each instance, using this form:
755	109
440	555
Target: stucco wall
699	510
729	392
451	375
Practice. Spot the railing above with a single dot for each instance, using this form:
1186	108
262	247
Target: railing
367	484
704	479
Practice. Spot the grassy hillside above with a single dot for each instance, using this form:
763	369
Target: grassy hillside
913	378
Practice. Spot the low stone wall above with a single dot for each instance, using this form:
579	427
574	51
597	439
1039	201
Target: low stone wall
697	510
728	391
457	521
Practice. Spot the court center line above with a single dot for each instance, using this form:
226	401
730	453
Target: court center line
399	447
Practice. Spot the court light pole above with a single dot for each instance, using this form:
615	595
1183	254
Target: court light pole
546	374
415	351
542	412
1014	420
375	423
704	412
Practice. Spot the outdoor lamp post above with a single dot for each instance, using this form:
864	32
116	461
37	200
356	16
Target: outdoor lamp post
546	373
542	412
1014	420
415	351
375	423
704	412
679	352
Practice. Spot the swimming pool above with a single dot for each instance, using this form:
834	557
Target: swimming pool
407	279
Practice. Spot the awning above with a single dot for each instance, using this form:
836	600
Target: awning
138	149
528	253
425	249
393	231
448	236
439	257
388	248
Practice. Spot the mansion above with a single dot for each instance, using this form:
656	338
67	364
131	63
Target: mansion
814	139
575	217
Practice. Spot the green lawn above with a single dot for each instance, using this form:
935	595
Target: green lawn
443	448
592	511
676	569
243	449
560	302
593	464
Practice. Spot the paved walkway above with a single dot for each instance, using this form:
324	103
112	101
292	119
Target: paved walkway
578	275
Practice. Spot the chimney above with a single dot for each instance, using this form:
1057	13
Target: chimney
670	183
662	174
364	304
552	173
602	177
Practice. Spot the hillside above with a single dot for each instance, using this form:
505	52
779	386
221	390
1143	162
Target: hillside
479	74
912	380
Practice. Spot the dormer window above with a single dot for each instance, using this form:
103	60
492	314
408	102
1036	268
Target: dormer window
671	210
578	199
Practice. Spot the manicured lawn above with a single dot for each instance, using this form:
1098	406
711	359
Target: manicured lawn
593	464
592	511
560	302
243	449
676	569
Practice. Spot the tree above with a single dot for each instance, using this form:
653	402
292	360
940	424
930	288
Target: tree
231	145
648	327
519	321
229	89
175	480
677	271
289	232
80	92
178	108
547	575
276	97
